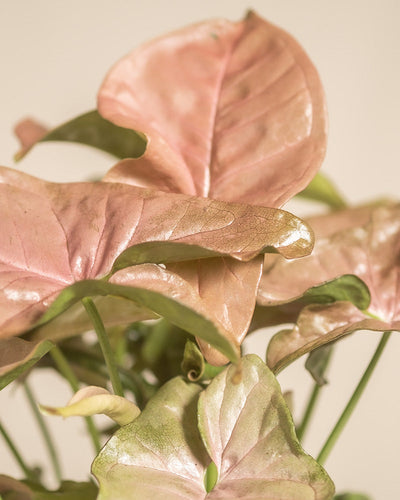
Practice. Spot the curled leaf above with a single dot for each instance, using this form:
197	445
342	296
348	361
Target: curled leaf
193	362
93	401
239	114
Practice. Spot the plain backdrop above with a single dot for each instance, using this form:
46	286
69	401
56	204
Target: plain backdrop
53	57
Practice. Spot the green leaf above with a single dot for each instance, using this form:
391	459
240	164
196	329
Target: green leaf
93	130
183	311
18	355
346	288
244	425
160	252
317	363
160	454
321	189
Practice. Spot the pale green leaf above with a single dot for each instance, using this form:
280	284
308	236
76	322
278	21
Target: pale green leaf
241	419
93	400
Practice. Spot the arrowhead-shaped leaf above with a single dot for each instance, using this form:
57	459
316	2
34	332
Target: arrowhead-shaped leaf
363	241
238	114
18	355
245	427
61	237
89	129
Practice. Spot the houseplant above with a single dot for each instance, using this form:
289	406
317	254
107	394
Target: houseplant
240	233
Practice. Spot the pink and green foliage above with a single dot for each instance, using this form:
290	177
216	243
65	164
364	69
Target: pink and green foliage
215	127
363	241
211	78
69	238
166	451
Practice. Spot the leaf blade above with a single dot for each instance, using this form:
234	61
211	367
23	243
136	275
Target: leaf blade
258	107
18	355
89	129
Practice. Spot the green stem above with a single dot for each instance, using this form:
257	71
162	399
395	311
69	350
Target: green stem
44	430
26	470
330	442
65	369
308	411
108	354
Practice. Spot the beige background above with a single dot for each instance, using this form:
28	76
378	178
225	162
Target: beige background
53	56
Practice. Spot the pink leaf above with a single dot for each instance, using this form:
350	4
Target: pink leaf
28	132
364	241
57	235
232	111
226	288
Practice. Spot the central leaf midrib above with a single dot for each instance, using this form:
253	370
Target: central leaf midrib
214	114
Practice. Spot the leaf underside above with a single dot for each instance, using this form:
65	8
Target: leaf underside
18	355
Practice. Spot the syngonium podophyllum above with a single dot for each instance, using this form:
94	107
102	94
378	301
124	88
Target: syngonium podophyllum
230	111
244	428
82	240
360	241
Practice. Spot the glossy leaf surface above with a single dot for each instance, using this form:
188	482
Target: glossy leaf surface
245	427
55	235
273	307
238	114
89	129
160	455
18	355
367	246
